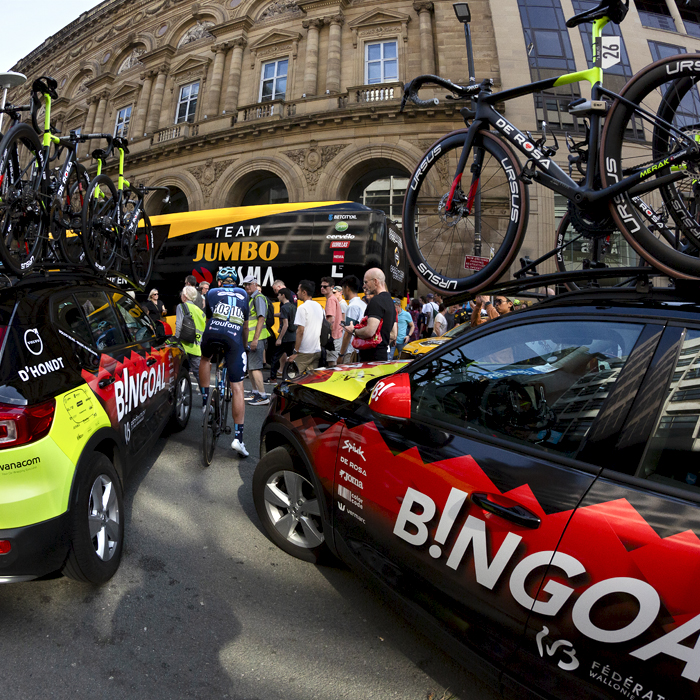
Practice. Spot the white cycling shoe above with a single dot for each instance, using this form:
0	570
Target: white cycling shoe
239	447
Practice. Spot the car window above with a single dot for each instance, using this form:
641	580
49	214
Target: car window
541	384
104	327
69	317
671	456
138	325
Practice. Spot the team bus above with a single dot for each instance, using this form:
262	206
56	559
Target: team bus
278	241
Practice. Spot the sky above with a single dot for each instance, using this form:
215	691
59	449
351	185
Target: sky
25	25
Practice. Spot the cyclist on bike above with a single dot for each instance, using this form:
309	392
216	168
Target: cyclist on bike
226	308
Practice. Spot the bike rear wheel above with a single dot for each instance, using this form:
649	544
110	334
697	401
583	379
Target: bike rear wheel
100	234
66	220
210	426
667	88
23	224
474	243
139	241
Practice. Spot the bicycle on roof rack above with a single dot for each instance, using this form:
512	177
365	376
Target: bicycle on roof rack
639	143
38	206
119	232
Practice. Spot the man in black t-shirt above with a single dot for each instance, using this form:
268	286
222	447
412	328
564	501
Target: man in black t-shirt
284	346
380	308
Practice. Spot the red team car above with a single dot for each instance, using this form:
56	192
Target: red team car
528	492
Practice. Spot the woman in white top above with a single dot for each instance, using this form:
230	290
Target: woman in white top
440	326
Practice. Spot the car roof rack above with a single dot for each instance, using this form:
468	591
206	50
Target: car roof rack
57	271
637	277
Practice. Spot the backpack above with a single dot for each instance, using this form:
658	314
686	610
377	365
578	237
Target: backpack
326	337
188	329
270	316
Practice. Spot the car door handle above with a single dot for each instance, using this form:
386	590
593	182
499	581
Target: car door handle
106	382
151	361
513	511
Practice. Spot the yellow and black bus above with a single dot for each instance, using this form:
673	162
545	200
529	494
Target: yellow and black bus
278	241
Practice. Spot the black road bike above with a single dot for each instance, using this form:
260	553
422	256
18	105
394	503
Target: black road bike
39	203
467	205
120	236
217	406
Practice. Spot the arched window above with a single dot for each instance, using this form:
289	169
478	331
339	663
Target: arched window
270	190
177	205
382	189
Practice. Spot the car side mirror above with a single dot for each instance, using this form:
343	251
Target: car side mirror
391	396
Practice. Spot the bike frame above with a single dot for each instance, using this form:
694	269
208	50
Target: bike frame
548	173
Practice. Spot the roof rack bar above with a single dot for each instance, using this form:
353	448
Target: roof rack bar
549	280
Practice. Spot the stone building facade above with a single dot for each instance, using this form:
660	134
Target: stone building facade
250	101
232	102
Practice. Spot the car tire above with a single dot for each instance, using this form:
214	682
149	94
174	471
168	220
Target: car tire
287	505
182	402
96	523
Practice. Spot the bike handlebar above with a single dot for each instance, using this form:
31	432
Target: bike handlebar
410	90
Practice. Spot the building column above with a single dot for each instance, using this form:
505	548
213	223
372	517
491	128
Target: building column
84	149
217	79
425	21
311	73
139	126
334	49
234	76
100	113
157	100
677	19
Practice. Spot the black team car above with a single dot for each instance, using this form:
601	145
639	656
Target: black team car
87	384
529	493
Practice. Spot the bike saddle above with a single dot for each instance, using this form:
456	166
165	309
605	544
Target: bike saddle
99	154
46	86
120	142
615	10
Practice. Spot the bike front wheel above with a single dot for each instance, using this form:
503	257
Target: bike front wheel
66	219
100	218
22	221
471	244
139	240
632	144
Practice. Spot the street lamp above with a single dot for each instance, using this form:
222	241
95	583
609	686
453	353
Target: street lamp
8	80
465	17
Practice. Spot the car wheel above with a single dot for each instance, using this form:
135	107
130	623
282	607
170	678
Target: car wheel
182	405
96	523
288	507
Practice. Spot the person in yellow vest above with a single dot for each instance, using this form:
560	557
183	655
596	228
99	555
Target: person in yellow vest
257	337
188	297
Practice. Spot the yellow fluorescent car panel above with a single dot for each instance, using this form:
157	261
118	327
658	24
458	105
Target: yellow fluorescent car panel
420	347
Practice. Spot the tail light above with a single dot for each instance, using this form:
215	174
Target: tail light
20	425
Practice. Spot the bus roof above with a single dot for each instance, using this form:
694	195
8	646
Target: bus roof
188	222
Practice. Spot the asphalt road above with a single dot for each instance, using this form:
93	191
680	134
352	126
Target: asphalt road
205	606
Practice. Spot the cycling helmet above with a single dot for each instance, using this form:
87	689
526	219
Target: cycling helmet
225	273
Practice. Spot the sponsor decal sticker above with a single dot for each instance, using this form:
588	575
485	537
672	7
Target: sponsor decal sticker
474	541
343	237
351	479
341	226
352	447
350	497
338	256
33	341
43	368
340	244
9	466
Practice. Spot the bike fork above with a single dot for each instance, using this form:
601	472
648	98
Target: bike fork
462	163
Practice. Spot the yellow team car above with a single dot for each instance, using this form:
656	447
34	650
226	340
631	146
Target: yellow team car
420	347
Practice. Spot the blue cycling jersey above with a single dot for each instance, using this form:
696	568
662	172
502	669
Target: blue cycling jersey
227	309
